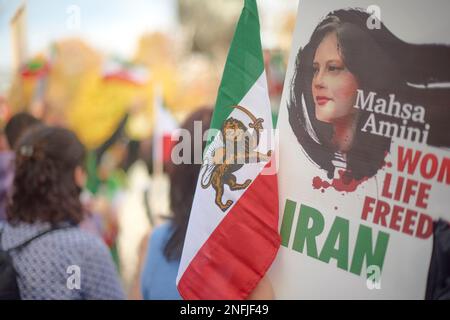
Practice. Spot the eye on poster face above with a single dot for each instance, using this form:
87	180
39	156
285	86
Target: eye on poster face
364	152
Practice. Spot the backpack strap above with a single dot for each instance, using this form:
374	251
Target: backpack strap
25	243
1	233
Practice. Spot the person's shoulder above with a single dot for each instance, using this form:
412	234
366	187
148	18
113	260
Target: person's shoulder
79	240
162	231
160	235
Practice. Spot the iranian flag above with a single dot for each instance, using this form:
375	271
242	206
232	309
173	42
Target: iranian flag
35	68
164	126
126	72
232	236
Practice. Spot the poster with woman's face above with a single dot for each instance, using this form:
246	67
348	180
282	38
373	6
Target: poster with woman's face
364	160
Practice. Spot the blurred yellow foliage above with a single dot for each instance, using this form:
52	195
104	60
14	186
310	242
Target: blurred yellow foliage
77	96
100	105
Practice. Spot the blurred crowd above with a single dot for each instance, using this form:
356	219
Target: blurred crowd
91	206
65	199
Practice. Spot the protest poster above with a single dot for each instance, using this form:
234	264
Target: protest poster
364	167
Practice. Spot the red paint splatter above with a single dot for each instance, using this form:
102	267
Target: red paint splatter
317	182
387	164
343	183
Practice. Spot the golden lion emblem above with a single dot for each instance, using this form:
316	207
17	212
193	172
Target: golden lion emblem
225	163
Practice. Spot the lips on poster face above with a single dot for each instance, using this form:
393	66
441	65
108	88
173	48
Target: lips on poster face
333	86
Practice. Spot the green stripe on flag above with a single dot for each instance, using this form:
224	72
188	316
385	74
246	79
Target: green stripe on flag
243	67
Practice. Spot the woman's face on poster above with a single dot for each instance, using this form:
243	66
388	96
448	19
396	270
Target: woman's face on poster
333	85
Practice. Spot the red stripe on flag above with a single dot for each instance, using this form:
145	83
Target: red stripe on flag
124	77
240	250
167	147
35	73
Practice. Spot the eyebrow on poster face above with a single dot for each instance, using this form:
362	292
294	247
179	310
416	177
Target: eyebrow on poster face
333	64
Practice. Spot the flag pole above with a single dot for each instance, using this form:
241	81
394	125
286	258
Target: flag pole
18	36
19	43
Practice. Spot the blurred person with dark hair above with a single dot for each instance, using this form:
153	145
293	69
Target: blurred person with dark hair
14	128
163	252
17	125
46	207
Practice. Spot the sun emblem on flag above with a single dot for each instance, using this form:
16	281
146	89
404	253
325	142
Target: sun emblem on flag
230	153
